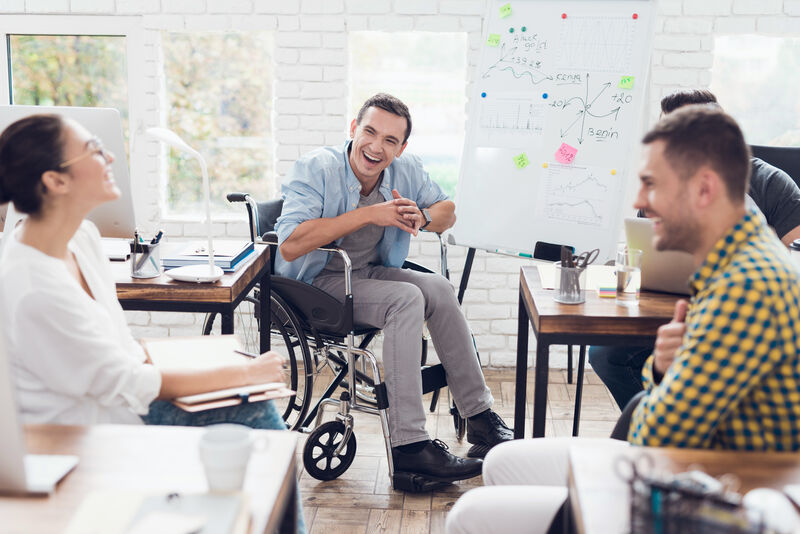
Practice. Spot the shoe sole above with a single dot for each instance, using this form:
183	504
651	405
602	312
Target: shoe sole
478	450
418	483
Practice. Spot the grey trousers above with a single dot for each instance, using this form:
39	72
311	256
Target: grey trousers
397	301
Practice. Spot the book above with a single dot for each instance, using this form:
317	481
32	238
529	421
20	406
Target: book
227	253
204	353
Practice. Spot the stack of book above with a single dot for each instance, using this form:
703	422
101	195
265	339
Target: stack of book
228	255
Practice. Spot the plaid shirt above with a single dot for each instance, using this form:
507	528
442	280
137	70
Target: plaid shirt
735	381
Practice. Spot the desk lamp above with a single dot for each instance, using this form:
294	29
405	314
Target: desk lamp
192	273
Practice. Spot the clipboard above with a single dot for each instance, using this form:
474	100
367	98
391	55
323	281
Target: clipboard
205	353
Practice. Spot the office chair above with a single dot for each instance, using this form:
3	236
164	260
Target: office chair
318	331
785	158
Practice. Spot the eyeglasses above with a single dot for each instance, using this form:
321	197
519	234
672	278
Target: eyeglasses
93	147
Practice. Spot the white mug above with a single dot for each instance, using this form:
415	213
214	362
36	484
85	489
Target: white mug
225	451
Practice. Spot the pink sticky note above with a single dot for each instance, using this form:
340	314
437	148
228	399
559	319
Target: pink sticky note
566	154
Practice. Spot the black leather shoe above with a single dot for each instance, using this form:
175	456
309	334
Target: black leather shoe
435	463
484	431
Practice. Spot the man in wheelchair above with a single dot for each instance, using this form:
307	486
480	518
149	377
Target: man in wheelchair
369	201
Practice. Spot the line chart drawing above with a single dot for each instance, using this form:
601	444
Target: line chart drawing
576	195
600	44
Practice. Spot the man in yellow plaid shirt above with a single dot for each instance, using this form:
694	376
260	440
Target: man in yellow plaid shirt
725	372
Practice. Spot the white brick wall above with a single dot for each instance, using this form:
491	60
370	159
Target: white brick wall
311	92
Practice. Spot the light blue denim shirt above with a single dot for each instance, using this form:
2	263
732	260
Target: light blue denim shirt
322	184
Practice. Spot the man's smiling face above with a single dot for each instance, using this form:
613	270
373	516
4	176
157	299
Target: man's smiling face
377	140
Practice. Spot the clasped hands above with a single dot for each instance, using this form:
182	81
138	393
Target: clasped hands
669	338
400	212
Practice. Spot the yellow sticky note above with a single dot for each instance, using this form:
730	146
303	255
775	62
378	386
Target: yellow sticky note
626	82
493	40
521	161
505	11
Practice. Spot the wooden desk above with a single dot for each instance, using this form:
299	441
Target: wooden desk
163	294
598	321
152	459
600	501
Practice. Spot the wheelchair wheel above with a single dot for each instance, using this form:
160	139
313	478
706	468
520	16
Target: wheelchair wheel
319	456
285	340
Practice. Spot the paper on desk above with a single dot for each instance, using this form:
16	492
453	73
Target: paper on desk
168	523
596	276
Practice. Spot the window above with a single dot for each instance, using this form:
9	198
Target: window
428	72
755	78
69	70
219	100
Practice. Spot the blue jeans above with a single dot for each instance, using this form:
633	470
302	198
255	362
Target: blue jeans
262	415
620	369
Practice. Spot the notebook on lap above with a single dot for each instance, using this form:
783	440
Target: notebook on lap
662	270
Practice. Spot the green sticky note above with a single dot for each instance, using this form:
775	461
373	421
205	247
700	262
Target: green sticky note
505	11
521	161
493	40
626	82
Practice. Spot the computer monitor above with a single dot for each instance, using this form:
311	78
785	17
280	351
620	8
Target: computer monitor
113	219
20	473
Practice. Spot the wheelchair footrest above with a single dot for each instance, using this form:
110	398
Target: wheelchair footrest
416	483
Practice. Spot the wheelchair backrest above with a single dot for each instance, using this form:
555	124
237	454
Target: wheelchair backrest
268	213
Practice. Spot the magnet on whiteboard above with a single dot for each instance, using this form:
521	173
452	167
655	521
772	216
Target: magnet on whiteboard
613	172
511	30
483	95
635	16
544	165
563	15
545	95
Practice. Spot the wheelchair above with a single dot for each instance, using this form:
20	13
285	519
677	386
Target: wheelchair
317	331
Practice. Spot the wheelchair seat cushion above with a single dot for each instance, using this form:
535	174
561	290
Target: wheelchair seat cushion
315	308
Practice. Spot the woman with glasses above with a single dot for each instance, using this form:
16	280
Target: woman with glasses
73	358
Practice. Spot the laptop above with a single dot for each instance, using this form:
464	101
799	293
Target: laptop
113	219
20	473
662	270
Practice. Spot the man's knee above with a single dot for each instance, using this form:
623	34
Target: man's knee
406	298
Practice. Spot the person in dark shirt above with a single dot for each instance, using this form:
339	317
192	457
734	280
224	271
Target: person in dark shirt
771	190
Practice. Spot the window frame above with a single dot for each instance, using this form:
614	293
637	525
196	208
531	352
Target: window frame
129	27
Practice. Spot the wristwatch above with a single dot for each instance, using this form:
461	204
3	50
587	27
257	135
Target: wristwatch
427	215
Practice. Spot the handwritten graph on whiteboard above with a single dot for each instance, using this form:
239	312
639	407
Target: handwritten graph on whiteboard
600	44
510	121
577	194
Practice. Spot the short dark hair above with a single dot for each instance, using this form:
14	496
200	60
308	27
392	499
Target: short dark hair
28	148
684	97
698	135
388	103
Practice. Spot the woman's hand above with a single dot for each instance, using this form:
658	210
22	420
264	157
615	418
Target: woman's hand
266	368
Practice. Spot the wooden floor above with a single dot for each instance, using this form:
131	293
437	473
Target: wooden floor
362	499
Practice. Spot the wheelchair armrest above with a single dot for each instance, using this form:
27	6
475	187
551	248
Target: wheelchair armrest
415	267
270	238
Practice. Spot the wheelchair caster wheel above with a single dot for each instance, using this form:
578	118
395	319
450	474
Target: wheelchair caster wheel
414	483
318	454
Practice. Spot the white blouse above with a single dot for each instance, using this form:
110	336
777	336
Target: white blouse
73	358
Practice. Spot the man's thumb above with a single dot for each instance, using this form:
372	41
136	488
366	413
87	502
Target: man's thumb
680	311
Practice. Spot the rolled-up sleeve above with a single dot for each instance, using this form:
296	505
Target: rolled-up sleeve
428	192
302	198
88	362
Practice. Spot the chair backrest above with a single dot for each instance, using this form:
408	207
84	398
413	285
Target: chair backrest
620	431
12	465
786	158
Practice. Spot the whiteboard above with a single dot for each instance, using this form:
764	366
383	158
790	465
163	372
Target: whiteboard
554	127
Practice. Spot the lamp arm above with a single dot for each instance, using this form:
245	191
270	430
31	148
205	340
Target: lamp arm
207	199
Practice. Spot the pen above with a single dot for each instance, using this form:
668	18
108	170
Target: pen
245	353
157	238
510	253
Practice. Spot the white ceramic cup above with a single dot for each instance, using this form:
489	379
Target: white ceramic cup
225	451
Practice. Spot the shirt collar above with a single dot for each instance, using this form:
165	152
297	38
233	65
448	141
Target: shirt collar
724	250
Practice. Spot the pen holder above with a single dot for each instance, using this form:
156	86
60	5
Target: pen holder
145	260
569	284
